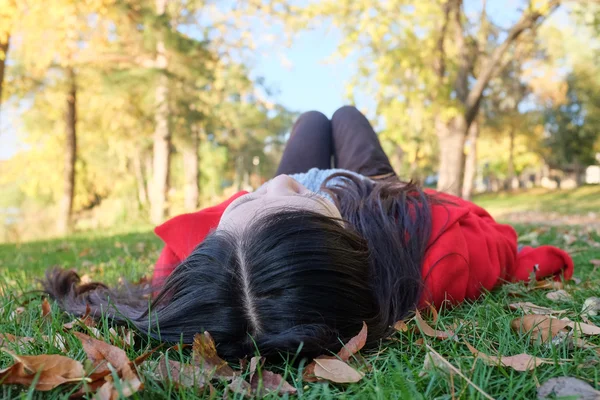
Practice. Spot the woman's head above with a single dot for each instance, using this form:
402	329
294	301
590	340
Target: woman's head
289	278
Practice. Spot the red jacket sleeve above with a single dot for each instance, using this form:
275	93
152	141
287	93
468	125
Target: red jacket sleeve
469	252
182	234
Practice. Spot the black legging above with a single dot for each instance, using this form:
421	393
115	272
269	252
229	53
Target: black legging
348	141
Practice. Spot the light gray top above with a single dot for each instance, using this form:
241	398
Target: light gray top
314	178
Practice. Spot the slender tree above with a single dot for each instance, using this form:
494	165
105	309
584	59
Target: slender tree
70	118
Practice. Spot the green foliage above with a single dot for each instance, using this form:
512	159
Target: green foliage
572	133
111	45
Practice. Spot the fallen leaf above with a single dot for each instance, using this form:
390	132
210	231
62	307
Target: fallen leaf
48	371
123	338
46	309
354	345
541	327
583	328
559	296
130	381
270	382
180	374
86	320
591	306
309	371
433	311
530	308
101	354
204	354
548	284
240	386
337	371
106	392
401	326
429	331
6	338
567	387
57	341
520	362
434	361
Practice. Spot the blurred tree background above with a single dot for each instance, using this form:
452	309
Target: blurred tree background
131	111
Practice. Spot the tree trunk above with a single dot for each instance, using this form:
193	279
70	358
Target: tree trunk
140	180
510	175
471	162
191	169
451	136
66	203
3	55
162	132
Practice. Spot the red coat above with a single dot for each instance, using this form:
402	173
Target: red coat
467	252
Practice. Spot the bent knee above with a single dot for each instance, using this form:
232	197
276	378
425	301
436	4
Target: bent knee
345	111
314	116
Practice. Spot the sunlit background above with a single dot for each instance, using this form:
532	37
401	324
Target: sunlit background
116	114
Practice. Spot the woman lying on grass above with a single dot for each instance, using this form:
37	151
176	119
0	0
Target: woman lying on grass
305	259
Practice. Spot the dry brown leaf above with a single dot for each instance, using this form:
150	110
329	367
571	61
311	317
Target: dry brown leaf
86	320
433	311
337	371
354	345
106	392
520	362
429	331
46	311
180	374
559	296
101	354
401	326
549	284
432	362
240	386
591	307
309	371
582	328
542	327
566	386
205	356
14	316
130	381
530	308
50	371
57	341
270	382
122	338
6	338
85	252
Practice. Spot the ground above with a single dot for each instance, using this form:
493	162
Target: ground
396	366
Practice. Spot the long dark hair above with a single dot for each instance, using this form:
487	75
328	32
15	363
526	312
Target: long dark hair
292	278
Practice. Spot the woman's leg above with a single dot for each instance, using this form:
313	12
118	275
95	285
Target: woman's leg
309	146
356	145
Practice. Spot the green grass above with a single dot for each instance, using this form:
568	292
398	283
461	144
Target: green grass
395	366
581	200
